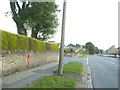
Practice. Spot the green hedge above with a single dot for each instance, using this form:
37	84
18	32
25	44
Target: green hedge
12	41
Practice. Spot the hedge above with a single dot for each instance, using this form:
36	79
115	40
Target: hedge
12	41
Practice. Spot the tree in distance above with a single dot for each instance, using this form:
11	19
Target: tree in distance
70	45
91	48
96	50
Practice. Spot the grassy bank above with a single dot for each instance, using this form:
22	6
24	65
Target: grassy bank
60	81
54	82
72	67
83	56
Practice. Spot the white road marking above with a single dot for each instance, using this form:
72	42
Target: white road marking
107	60
112	63
87	60
89	78
113	60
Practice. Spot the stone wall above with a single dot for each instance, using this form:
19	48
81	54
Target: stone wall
16	60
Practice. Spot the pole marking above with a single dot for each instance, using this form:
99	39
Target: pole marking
28	59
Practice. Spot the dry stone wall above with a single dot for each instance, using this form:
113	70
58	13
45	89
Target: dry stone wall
16	60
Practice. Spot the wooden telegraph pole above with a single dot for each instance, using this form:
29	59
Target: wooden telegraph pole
60	71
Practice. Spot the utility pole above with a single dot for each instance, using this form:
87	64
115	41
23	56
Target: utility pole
60	70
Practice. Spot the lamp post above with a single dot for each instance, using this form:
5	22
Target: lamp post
60	70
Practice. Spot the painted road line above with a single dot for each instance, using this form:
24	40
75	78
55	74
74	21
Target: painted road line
90	84
112	63
87	60
106	60
113	60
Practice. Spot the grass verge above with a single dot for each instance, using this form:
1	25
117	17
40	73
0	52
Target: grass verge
60	81
54	82
72	67
83	56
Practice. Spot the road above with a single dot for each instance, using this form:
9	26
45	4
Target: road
104	71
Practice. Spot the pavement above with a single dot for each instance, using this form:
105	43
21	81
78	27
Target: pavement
23	78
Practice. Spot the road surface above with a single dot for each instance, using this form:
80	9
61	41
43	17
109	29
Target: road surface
104	71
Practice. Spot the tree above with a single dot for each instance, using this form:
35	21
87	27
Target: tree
96	50
71	49
77	45
90	48
82	52
101	51
19	15
40	17
70	45
44	19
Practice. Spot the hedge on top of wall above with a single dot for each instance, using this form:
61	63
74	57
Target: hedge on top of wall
12	41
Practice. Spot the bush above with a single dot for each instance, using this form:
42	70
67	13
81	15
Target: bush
22	42
69	49
53	46
39	45
12	41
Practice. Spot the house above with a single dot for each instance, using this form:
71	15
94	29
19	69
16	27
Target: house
104	52
111	50
80	49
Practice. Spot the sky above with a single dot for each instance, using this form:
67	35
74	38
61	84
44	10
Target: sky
93	21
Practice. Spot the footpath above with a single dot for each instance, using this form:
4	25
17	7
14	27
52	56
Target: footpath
21	79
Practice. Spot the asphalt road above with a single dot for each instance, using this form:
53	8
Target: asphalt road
104	71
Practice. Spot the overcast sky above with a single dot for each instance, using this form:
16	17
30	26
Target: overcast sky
93	21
